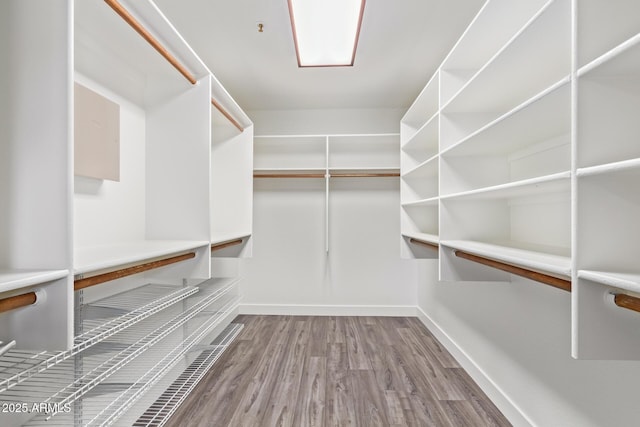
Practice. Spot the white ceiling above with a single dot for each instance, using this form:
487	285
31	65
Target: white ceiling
402	42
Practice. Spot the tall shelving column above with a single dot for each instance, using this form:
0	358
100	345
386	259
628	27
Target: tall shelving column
496	179
419	170
608	172
35	178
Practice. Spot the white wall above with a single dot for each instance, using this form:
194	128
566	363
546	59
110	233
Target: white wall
519	335
108	211
362	273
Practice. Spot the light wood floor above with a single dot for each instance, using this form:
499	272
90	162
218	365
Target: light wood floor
336	371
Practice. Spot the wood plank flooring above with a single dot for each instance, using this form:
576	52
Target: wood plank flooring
336	371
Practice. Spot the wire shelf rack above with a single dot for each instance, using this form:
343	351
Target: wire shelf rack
133	306
96	381
165	406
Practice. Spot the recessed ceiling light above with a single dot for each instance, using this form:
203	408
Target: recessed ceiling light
325	32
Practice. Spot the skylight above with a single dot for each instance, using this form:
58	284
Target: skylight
325	32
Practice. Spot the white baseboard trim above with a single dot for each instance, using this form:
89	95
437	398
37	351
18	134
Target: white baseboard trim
491	389
329	310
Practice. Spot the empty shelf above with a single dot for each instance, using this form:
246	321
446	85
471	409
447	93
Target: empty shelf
535	260
16	279
110	256
626	281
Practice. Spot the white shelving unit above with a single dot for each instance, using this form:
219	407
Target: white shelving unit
35	179
138	252
607	162
537	160
324	157
419	166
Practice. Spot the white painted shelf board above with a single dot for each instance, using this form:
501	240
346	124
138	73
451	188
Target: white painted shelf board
554	183
514	253
432	201
425	237
621	60
416	139
479	93
610	168
427	168
96	258
424	106
221	238
490	138
626	281
467	53
16	279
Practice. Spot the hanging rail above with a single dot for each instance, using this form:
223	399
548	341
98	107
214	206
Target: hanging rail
133	22
86	282
17	301
423	243
556	282
627	301
225	113
222	245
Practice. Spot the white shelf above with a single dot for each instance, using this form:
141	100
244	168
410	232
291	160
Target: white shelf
512	254
544	39
425	237
619	61
373	169
498	87
433	201
555	183
540	117
110	256
363	151
16	279
610	168
468	55
428	168
627	281
422	111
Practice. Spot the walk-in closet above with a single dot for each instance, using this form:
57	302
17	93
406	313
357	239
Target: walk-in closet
337	213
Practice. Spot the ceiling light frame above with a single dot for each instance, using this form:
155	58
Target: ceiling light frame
296	42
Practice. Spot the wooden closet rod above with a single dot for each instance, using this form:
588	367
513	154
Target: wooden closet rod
17	301
423	243
133	22
627	301
227	115
563	284
222	245
128	271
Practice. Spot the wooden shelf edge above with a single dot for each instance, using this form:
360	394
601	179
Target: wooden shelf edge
85	282
553	281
